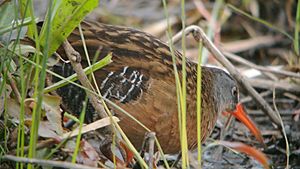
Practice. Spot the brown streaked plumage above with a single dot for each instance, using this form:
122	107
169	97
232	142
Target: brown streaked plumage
141	81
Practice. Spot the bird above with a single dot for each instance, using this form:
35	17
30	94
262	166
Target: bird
141	81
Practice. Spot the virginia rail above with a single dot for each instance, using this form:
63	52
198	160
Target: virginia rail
141	81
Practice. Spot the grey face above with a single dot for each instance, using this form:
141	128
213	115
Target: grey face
226	91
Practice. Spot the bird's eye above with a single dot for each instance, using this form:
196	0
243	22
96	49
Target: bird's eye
234	91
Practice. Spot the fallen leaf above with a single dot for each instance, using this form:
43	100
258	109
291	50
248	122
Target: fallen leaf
6	90
89	150
46	130
91	127
13	110
51	105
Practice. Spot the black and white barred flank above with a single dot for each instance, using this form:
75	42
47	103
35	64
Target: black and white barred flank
124	85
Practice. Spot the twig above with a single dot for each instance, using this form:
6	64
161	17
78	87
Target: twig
151	139
292	96
269	84
248	98
40	145
198	34
49	163
75	59
251	43
159	27
14	87
265	69
283	113
287	145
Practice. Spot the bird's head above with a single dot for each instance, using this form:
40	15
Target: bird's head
226	97
225	89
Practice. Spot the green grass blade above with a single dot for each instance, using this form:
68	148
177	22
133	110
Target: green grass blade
199	90
26	10
260	21
78	138
297	24
98	65
40	77
10	27
68	15
184	143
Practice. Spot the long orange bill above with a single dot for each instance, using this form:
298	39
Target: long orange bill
240	114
